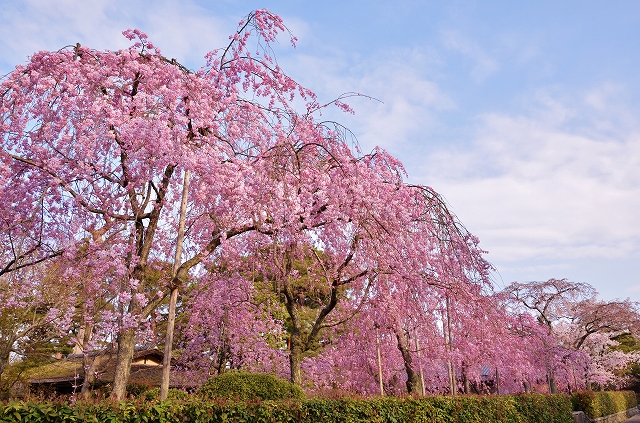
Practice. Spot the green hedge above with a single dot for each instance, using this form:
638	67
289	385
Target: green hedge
458	409
172	394
245	386
444	409
598	404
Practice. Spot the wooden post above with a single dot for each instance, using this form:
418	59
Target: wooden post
424	392
448	340
379	362
173	299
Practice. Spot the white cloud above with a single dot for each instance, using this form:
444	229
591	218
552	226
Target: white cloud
539	186
409	102
404	100
180	29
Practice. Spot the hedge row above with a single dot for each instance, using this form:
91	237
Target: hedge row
459	409
246	386
598	404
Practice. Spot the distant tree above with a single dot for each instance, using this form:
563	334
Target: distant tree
581	328
629	344
609	317
550	302
595	328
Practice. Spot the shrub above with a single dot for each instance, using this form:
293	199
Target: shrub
600	404
173	394
249	386
137	389
544	408
447	409
532	408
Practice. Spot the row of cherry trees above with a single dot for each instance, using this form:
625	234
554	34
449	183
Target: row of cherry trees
301	256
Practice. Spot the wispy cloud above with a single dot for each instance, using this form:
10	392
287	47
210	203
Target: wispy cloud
181	29
538	185
404	101
484	65
634	289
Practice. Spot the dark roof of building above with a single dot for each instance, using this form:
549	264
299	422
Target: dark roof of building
71	370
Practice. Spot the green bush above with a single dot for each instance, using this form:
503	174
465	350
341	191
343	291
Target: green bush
599	404
457	409
544	408
137	389
249	386
173	394
470	409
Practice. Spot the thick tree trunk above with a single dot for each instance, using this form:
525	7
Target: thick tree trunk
126	345
413	378
295	359
296	344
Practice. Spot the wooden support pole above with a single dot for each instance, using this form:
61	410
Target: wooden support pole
173	299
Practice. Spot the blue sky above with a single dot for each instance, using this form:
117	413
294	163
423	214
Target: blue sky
524	115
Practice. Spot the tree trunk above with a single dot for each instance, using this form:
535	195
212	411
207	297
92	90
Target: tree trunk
465	379
413	378
126	345
553	389
451	373
89	364
78	348
295	359
89	372
5	354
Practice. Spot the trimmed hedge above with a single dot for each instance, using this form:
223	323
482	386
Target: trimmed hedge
531	408
599	404
154	394
245	386
459	409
